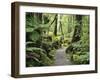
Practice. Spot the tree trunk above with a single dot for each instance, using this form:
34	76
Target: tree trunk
58	23
55	28
77	30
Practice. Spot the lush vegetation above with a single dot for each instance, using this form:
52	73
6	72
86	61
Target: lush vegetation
45	33
79	47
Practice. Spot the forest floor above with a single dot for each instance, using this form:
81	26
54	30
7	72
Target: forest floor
61	58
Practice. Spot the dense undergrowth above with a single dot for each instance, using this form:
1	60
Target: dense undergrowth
45	33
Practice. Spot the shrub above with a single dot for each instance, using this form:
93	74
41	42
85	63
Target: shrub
52	54
69	49
47	46
79	52
56	44
33	60
80	59
50	51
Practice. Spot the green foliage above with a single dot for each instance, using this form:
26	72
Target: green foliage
41	60
52	55
49	48
34	49
79	50
47	32
83	58
56	44
45	61
29	29
46	46
35	36
79	53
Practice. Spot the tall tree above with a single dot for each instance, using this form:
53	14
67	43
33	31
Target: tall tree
78	28
55	28
58	23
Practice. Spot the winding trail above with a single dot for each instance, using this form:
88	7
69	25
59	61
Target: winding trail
61	58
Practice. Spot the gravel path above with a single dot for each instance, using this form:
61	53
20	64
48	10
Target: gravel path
61	58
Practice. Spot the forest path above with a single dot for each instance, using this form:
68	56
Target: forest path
61	58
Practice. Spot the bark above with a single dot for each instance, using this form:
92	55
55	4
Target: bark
78	28
55	28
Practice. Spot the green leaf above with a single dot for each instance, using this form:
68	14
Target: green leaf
29	29
34	36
